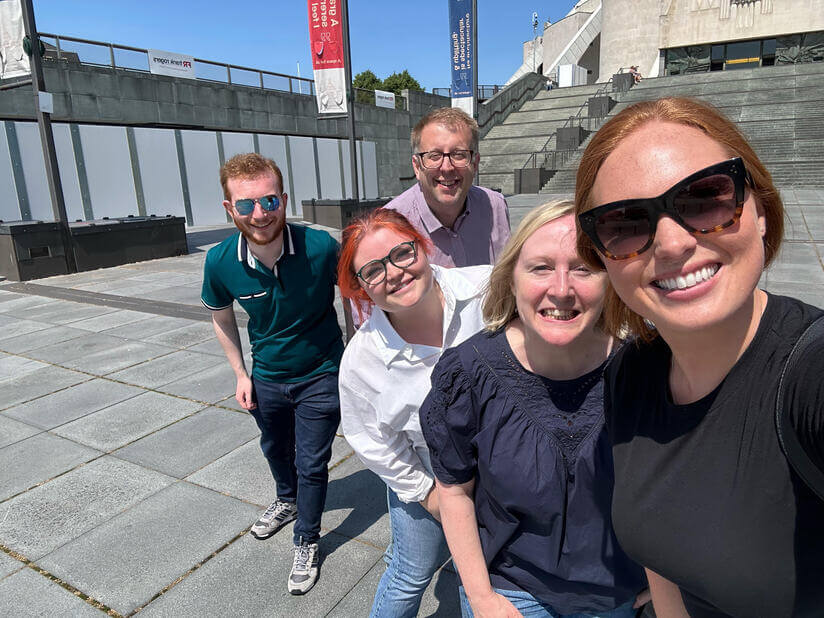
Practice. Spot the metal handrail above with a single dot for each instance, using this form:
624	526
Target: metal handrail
304	84
533	158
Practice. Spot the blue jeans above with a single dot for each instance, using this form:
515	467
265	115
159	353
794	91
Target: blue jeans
297	426
418	549
530	607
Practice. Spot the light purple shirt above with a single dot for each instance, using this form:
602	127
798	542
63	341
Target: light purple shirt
478	235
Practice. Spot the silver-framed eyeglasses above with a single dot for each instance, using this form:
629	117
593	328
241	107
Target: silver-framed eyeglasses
433	159
402	256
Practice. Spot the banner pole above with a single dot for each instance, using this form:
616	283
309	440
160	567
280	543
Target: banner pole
475	74
353	159
47	136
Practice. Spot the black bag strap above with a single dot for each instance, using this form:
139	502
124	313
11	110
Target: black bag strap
787	437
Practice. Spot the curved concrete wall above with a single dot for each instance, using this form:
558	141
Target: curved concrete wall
629	36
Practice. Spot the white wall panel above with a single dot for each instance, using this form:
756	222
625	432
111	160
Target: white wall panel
329	165
159	171
274	147
237	143
370	169
34	170
202	170
68	171
109	171
303	168
9	206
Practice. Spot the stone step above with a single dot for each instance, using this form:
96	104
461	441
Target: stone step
513	145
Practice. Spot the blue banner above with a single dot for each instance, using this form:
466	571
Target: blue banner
462	53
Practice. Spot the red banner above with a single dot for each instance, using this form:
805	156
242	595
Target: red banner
326	40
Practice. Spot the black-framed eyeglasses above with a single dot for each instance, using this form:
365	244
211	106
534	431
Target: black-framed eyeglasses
402	256
433	159
707	201
267	202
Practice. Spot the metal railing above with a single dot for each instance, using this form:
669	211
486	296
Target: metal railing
588	123
125	57
497	109
484	91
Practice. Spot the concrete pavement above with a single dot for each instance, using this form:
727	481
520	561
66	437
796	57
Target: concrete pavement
130	478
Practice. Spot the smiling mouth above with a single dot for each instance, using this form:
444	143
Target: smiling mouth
400	287
559	314
682	282
448	183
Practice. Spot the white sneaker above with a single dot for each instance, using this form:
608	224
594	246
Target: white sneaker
274	518
304	568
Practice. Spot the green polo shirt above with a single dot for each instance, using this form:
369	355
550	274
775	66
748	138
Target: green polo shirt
293	327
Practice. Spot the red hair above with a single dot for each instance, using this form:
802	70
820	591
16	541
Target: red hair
355	232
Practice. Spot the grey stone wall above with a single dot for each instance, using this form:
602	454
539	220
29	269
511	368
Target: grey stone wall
84	93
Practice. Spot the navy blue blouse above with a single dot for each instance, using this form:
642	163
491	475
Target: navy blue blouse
542	461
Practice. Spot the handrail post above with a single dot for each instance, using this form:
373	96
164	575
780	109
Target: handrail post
57	44
260	74
228	74
111	55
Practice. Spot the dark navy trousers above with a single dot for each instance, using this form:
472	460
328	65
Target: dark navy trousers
297	425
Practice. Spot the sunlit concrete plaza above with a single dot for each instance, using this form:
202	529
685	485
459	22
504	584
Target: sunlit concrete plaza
131	478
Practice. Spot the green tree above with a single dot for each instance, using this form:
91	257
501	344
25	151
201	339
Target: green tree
365	84
401	81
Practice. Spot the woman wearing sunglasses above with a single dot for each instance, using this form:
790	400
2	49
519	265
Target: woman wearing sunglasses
515	427
678	209
418	310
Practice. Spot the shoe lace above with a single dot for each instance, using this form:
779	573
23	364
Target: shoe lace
303	556
273	508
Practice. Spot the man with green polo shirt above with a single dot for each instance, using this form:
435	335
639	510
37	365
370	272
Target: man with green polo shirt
283	276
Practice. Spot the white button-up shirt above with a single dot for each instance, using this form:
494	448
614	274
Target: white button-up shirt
384	380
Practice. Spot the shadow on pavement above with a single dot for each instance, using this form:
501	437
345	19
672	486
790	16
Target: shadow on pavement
196	240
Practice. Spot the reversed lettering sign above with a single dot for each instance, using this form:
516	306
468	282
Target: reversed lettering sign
462	53
13	60
326	40
385	99
168	63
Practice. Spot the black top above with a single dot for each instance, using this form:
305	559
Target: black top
540	456
703	494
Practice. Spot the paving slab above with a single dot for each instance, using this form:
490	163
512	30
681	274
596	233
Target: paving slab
12	431
27	593
127	560
124	422
36	459
8	565
356	504
47	517
48	335
38	383
65	312
210	385
20	306
165	369
184	337
72	403
84	346
812	294
124	355
16	367
11	327
256	582
111	320
242	474
151	326
190	444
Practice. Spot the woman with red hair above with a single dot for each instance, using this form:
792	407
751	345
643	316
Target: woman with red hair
418	310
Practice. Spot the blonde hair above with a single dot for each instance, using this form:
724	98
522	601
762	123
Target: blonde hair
499	301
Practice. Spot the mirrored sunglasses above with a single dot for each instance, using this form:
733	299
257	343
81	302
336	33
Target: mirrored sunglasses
267	202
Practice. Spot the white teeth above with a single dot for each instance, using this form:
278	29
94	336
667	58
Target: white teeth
558	314
689	280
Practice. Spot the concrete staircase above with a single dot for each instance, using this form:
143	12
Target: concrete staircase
779	109
508	146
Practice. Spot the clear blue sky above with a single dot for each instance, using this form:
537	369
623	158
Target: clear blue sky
387	36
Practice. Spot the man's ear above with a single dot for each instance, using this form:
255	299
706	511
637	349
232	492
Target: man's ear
476	159
228	206
284	198
416	167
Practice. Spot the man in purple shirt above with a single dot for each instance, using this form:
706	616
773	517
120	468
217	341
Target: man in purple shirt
468	225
